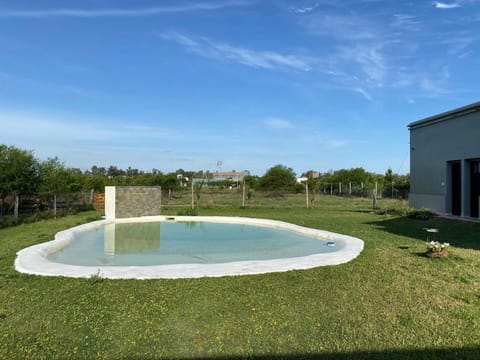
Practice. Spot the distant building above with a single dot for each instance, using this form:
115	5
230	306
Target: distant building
445	162
301	179
236	176
232	176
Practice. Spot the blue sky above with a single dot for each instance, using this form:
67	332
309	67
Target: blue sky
184	84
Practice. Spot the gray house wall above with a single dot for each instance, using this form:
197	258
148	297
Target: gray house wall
435	143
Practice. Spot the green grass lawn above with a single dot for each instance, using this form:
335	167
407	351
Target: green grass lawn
390	302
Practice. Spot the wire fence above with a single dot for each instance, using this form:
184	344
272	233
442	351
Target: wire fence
303	196
21	208
392	190
32	207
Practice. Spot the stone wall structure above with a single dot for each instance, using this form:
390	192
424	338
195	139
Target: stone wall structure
132	201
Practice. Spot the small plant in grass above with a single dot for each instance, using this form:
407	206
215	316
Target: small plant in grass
188	212
437	249
95	278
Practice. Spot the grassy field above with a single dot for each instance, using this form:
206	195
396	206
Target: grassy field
391	302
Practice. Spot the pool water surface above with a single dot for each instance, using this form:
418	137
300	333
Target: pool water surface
171	242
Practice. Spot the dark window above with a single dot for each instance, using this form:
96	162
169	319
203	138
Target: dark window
474	188
456	187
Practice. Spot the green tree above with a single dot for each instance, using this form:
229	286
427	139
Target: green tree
396	185
197	188
278	177
76	179
19	171
96	182
314	186
250	180
355	175
113	171
55	177
170	182
96	170
388	177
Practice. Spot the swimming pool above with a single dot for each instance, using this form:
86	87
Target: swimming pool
185	247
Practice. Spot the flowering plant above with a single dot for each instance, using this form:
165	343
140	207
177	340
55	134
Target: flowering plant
434	248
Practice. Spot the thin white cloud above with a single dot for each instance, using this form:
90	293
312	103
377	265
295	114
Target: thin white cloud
334	143
387	48
150	11
42	126
240	55
458	43
368	59
441	5
435	84
305	9
364	93
277	123
346	27
406	22
42	85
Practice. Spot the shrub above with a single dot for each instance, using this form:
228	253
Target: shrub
421	214
418	214
396	211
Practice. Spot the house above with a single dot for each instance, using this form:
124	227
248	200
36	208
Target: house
236	176
445	162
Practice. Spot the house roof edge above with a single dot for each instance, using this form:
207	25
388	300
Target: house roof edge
467	109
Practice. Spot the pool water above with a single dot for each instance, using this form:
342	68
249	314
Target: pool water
176	242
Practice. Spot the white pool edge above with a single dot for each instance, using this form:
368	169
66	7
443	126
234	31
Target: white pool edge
34	259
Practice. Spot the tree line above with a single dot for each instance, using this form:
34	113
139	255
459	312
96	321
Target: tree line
22	173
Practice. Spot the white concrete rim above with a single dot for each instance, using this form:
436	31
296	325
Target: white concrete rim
34	259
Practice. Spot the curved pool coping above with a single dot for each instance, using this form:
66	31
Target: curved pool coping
34	259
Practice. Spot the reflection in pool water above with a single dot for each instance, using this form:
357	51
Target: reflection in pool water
131	238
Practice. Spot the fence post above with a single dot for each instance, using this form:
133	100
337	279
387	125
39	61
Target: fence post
331	189
55	205
375	202
15	209
306	191
350	188
243	194
340	188
193	204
